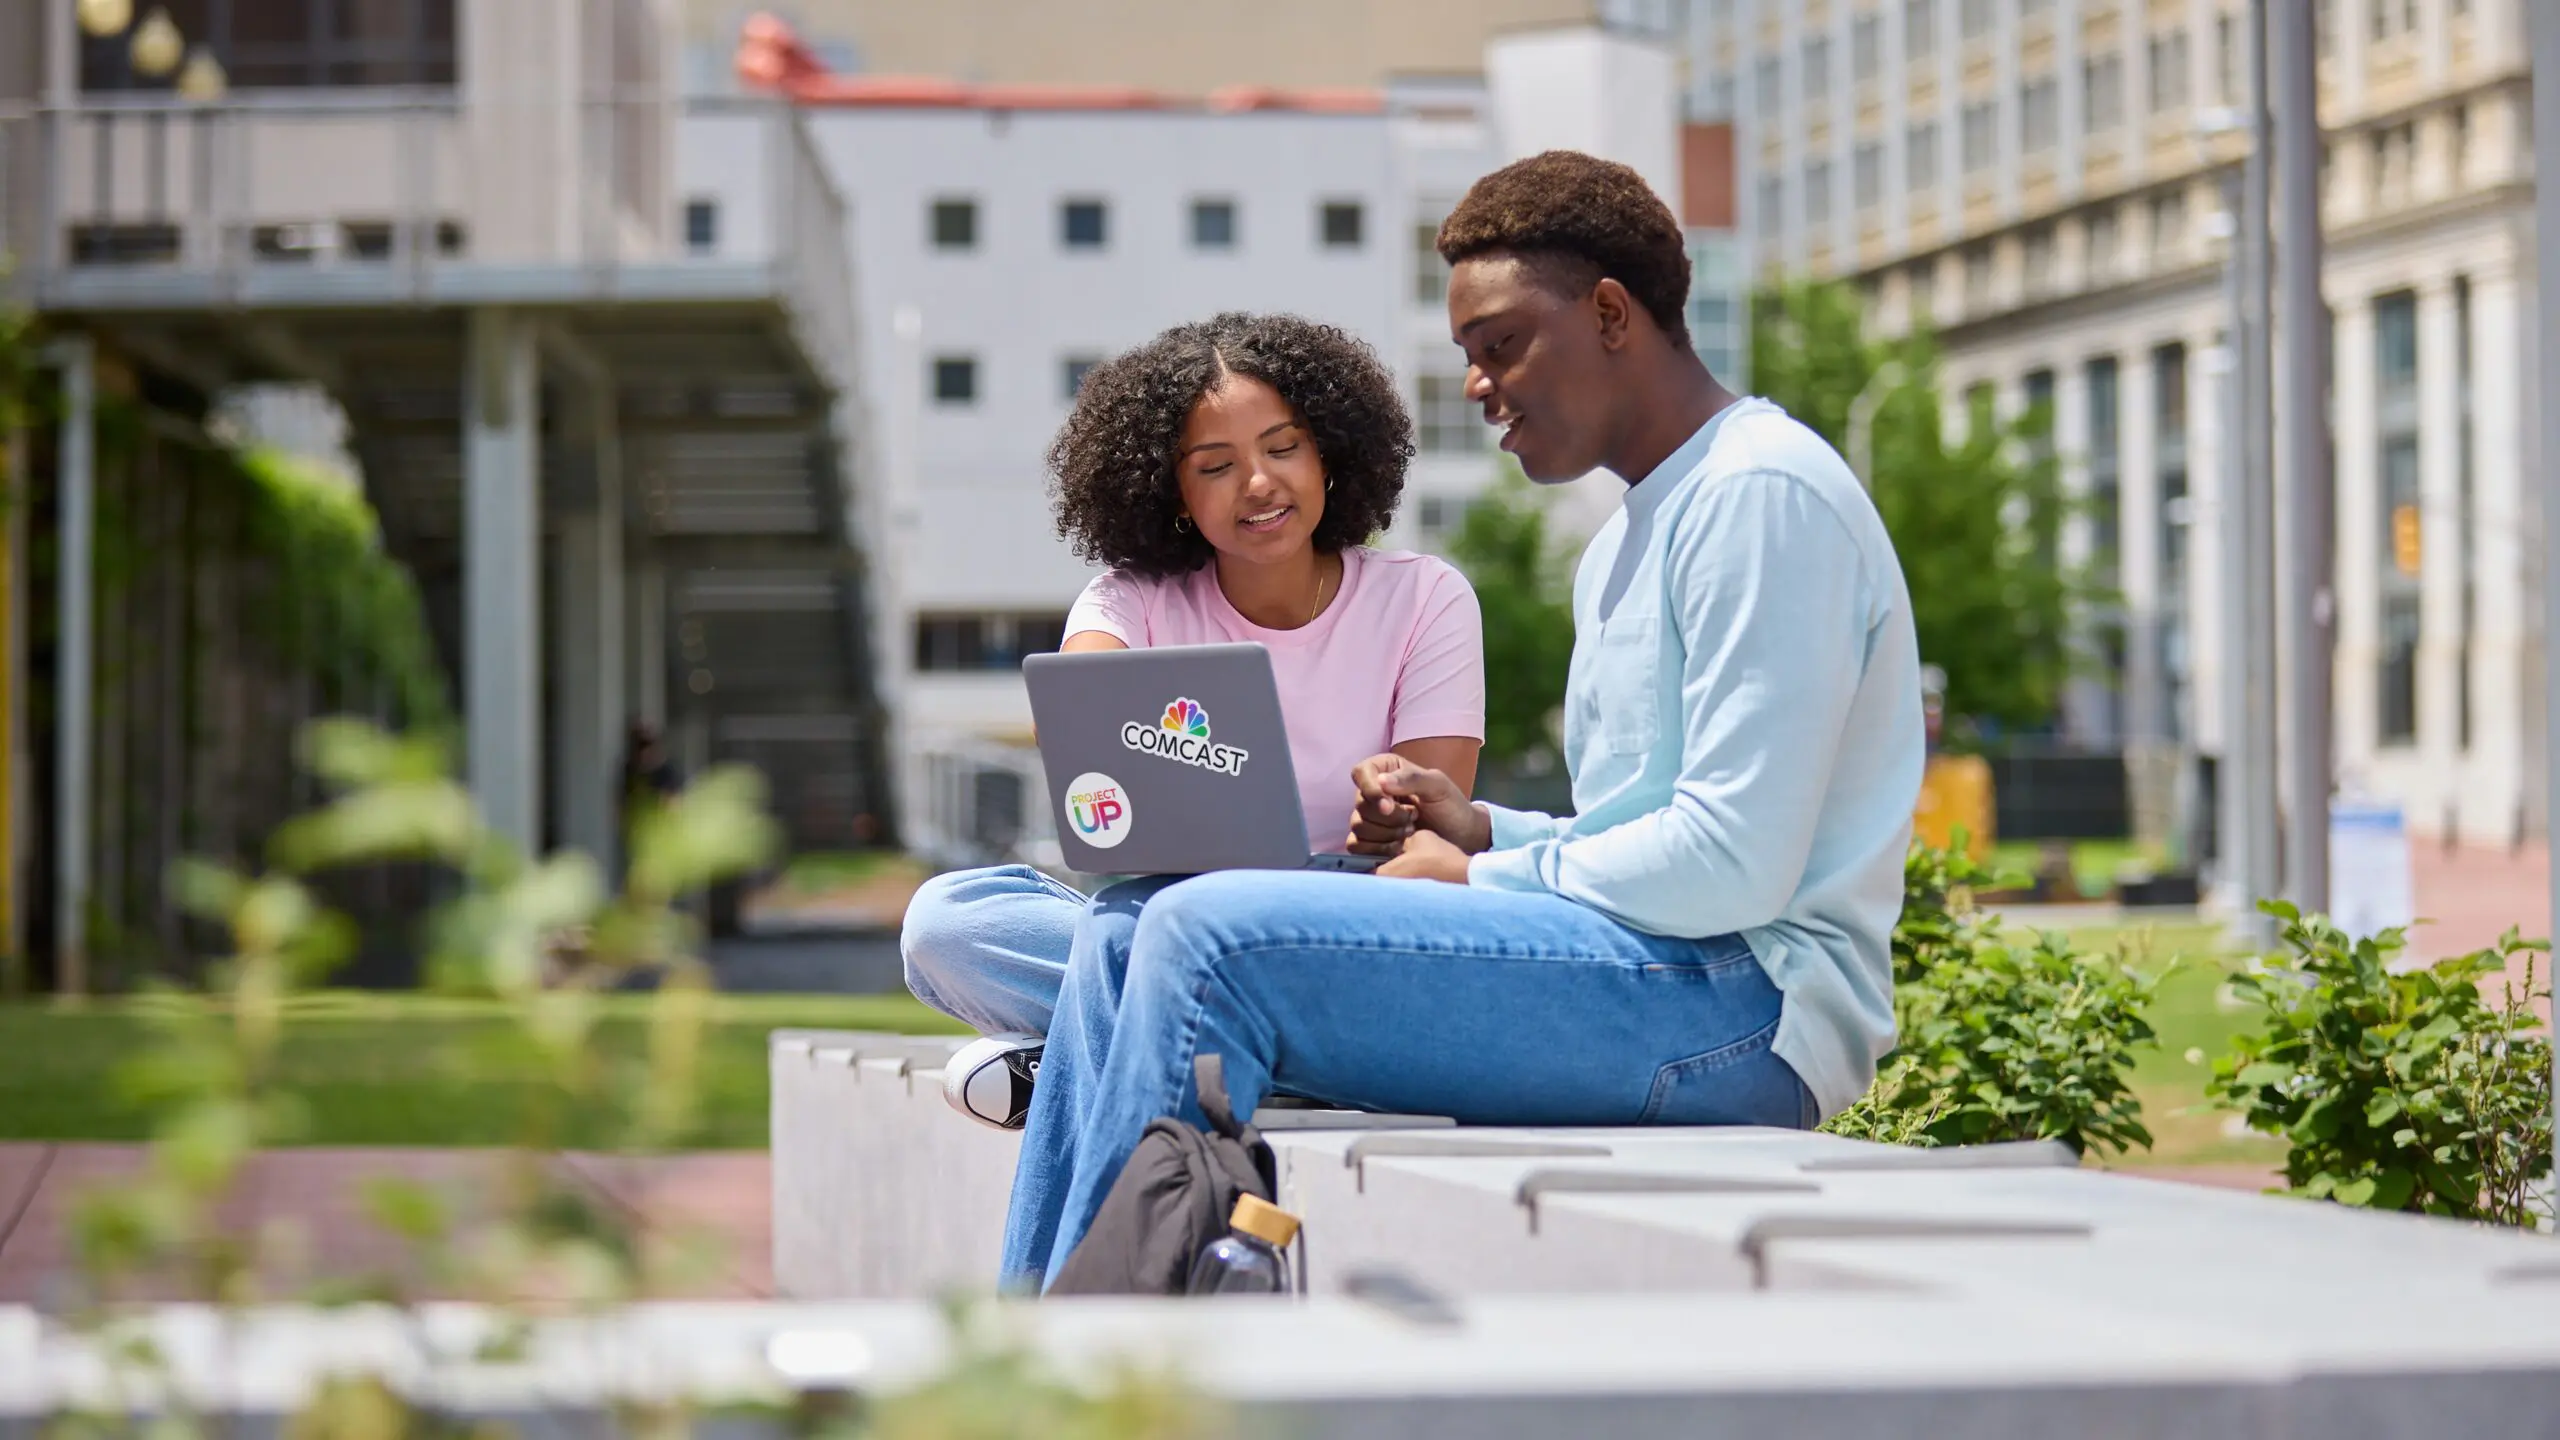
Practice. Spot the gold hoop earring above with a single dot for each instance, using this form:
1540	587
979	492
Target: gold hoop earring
1328	484
1182	524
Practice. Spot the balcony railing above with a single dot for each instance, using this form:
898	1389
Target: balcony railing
406	196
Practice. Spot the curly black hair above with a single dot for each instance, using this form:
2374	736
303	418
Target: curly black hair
1112	467
1576	219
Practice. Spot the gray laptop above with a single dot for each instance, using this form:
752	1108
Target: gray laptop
1171	761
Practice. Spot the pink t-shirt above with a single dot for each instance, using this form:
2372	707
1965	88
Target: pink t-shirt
1397	656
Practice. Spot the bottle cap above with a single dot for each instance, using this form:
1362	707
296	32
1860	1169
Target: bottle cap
1264	1221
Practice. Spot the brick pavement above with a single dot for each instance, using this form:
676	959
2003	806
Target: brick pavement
716	1202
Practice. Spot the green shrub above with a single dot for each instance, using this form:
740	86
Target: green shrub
2000	1037
2398	1089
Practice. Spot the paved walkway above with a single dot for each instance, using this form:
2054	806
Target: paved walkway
315	1199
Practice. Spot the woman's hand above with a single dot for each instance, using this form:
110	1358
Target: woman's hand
1427	857
1399	798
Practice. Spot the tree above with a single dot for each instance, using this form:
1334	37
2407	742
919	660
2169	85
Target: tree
1523	585
1975	520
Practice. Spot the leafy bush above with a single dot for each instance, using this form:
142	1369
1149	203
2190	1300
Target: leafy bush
2399	1089
2002	1038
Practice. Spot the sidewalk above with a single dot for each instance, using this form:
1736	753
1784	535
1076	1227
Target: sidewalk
719	1198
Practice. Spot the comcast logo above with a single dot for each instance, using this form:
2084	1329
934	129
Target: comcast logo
1182	733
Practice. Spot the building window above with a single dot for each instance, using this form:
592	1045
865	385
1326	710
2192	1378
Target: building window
1919	27
2168	71
1768	84
1923	284
1435	515
2106	484
2169	420
2040	115
1446	421
1977	17
2102	78
1817	193
2168	226
1773	207
955	380
701	226
1817	68
1866	175
1071	373
2229	53
1213	224
1084	224
955	224
1716	327
1866	47
1920	155
1979	274
2044	521
2395	365
2458	147
1338	224
2037	250
294	44
955	643
1430	272
2105	245
1981	137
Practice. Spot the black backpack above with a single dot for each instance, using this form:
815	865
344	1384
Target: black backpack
1173	1198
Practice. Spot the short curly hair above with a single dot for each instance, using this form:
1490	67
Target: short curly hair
1113	464
1577	219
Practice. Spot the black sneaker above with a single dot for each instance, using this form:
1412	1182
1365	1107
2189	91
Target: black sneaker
990	1078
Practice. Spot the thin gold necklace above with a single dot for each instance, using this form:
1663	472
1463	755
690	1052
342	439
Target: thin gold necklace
1318	606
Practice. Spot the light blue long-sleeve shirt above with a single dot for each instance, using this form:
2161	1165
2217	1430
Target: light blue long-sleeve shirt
1742	724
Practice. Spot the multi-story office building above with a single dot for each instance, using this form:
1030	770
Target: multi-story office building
1011	236
2045	180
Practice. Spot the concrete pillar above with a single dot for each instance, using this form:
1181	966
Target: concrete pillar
77	501
2138	544
591	689
2440	558
2501	634
501	586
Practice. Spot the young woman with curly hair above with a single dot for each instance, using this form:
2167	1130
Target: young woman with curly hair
1230	474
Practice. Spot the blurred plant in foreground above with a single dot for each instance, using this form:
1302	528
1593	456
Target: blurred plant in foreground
546	937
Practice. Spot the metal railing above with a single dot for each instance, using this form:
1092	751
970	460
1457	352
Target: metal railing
976	802
379	193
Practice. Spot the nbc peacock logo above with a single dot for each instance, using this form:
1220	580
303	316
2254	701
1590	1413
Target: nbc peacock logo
1182	733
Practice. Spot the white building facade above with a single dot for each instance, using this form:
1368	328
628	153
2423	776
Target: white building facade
2045	180
1009	239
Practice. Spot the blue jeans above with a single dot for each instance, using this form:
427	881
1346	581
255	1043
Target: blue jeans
1401	995
989	947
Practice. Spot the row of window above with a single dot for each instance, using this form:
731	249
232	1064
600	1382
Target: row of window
1445	421
2402	516
1084	223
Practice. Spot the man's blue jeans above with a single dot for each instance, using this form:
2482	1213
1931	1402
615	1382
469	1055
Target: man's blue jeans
1401	995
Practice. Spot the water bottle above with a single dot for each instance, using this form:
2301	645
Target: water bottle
1246	1261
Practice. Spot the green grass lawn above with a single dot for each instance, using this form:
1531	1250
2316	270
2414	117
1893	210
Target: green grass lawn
410	1069
2095	864
375	1069
2188	1012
